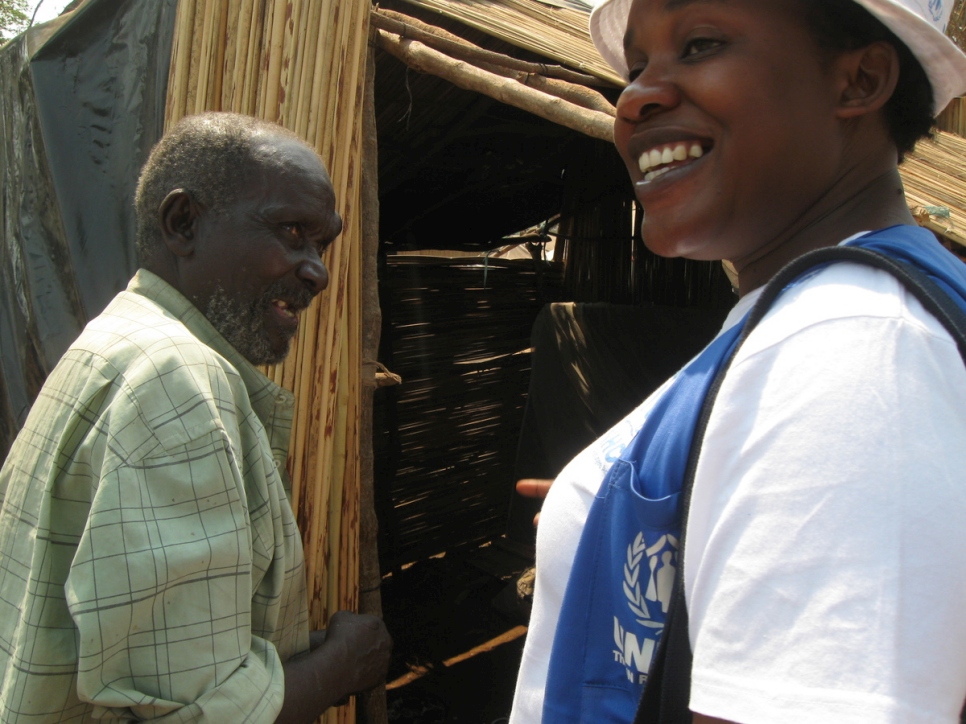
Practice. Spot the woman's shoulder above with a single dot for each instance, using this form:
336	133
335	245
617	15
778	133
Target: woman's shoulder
845	296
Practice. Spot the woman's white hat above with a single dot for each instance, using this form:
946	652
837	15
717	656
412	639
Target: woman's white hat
920	24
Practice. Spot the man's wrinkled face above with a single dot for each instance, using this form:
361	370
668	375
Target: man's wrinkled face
259	260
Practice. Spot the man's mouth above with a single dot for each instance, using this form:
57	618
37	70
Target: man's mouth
285	308
659	160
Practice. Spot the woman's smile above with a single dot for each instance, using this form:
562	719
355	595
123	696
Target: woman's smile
659	160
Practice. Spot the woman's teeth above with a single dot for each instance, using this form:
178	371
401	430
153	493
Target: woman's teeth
669	154
651	175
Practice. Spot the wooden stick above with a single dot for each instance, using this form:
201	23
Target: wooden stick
551	32
426	60
407	27
417	672
576	94
372	703
532	74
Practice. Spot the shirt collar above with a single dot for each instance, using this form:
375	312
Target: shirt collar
270	402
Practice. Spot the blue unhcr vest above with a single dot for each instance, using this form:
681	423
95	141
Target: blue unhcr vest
625	575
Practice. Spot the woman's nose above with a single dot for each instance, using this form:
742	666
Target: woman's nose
649	93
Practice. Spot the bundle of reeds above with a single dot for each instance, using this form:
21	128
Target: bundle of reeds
302	63
935	183
953	118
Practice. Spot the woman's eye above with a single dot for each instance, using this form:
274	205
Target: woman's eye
700	45
635	71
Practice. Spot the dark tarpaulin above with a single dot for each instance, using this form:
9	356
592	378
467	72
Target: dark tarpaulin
81	103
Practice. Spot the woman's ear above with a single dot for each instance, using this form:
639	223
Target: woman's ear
869	78
178	216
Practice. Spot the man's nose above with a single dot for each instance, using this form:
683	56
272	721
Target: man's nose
313	273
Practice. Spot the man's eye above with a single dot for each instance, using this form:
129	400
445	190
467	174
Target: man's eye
294	229
700	45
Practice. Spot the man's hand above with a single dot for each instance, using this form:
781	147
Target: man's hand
534	488
350	656
367	647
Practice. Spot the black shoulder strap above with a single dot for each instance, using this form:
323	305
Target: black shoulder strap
668	689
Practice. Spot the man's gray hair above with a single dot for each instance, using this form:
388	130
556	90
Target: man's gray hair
207	155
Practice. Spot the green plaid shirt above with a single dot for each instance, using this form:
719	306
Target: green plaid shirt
150	565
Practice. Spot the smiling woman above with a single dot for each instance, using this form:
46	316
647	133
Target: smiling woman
825	499
746	84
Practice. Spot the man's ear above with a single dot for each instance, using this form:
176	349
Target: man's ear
869	76
178	216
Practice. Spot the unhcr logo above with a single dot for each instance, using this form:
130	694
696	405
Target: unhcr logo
648	603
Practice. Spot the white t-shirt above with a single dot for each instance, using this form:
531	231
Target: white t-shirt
825	562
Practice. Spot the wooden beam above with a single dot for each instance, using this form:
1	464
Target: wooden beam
437	38
372	704
552	79
506	90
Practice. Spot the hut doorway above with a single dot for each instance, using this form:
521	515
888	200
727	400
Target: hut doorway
463	179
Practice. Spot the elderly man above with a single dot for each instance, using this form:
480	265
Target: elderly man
150	565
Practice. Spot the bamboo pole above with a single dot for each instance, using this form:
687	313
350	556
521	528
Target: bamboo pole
289	64
273	76
234	37
318	74
249	100
201	65
217	61
426	60
180	58
307	62
191	69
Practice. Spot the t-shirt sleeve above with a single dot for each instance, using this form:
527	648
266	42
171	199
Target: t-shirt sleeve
826	553
160	593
